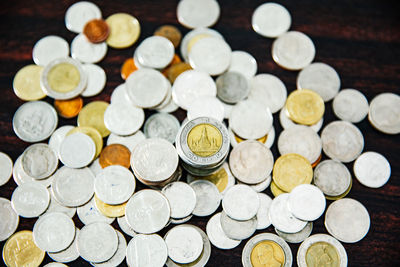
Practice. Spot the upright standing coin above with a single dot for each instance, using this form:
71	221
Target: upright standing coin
124	30
372	169
241	202
69	108
350	105
49	48
96	30
30	199
10	219
195	14
115	154
170	32
6	168
92	115
26	83
305	107
208	197
77	150
384	113
79	14
146	250
39	161
271	20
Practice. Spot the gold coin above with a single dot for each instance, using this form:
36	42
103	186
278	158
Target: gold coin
26	83
267	253
275	190
21	251
305	107
322	254
92	115
115	154
342	195
92	133
195	39
219	178
63	77
112	211
124	30
261	140
204	140
291	170
175	70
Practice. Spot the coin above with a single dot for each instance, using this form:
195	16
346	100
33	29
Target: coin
54	232
118	257
124	30
127	68
298	237
162	125
69	254
232	87
49	48
115	154
54	206
87	52
260	187
170	32
332	177
206	106
69	108
30	200
321	78
168	105
120	95
96	80
243	63
238	230
350	105
195	14
181	197
112	211
241	202
275	190
6	168
384	113
20	250
26	83
173	71
123	224
147	250
79	14
293	50
263	220
77	150
20	176
217	236
306	202
123	119
92	115
271	20
34	121
39	161
347	220
96	30
341	195
88	214
372	169
208	197
286	122
10	219
93	134
130	141
55	264
305	107
155	52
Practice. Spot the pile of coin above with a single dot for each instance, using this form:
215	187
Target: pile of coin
98	179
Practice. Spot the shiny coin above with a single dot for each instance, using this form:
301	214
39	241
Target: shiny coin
286	122
281	217
123	119
88	214
63	78
73	187
238	230
321	78
110	210
39	161
266	249
271	20
181	197
170	32
54	206
244	63
129	141
128	67
20	176
372	169
147	211
384	113
305	107
79	14
146	250
241	202
321	249
342	141
96	80
208	197
30	199
69	108
263	220
162	125
96	30
77	150
155	52
118	257
298	237
206	106
10	219
293	50
6	168
120	95
92	115
217	236
115	154
195	14
97	242
93	134
26	83
306	202
69	254
54	232
49	48
34	121
87	52
123	224
124	30
232	87
350	105
184	244
347	220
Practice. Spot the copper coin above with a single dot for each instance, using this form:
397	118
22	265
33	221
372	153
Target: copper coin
127	68
170	32
69	108
96	31
175	70
115	154
317	161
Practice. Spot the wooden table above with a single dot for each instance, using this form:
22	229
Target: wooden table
360	39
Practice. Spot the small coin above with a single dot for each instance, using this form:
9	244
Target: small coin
350	105
181	197
10	219
6	168
241	202
206	106
306	202
195	14
88	214
271	20
77	150
115	154
298	237
217	236
79	14
208	197
305	107
170	32
69	108
238	230
26	83
232	87
93	134
124	30
87	52
244	63
263	220
147	250
39	161
92	115
384	113
130	141
30	199
119	255
372	169
123	224
69	254
127	68
162	125
155	52
49	48
96	80
112	211
96	30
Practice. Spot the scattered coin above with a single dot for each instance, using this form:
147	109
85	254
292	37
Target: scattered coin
92	115
173	71
129	141
88	214
306	202
263	220
96	30
119	255
123	224
69	108
350	105
208	197
124	30
6	168
77	150
115	154
298	237
10	219
29	200
93	134
127	68
241	202
49	48
162	125
155	52
87	52
372	169
232	87
146	250
305	107
384	113
275	190
79	14
206	106
238	230
181	197
271	20
244	63
20	177
39	161
170	32
217	236
26	83
54	206
286	122
111	211
96	80
196	14
69	254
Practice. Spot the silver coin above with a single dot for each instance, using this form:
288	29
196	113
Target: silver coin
332	177
184	244
250	119
29	200
120	95
243	63
123	224
54	232
217	236
350	105
96	80
324	255
58	136
180	221
263	220
208	197
55	264
281	217
190	85
227	110
210	54
20	177
293	50
118	257
97	242
146	250
306	202
88	214
162	125
39	161
54	206
342	141
77	150
155	52
6	168
270	138
49	48
347	220
321	78
95	166
130	141
258	239
384	113
241	202
302	140
269	90
181	197
232	87
73	187
298	237
286	122
147	211
271	20
123	119
69	254
206	106
238	230
251	162
372	169
87	52
72	92
79	14
194	14
10	219
168	105
34	121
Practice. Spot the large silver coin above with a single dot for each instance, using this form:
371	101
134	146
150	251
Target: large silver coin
241	202
195	14
298	237
118	257
39	161
87	52
79	14
217	236
162	125
271	20
6	168
20	176
30	199
244	63
88	214
384	113
372	169
123	119
49	48
58	136
238	230
9	221
77	150
232	87
69	254
306	202
181	197
350	105
155	52
146	250
208	197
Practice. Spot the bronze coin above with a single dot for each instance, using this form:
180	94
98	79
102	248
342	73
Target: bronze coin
170	32
96	31
69	108
115	154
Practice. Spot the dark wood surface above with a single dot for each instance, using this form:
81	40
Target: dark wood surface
360	39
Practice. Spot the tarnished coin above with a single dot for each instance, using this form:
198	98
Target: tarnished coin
286	122
68	108
87	52
306	202
92	115
124	30
123	224
206	106
115	154
96	80
49	48
26	83
30	199
129	141
54	232
170	32
298	237
77	150
6	168
119	255
9	221
146	250
271	20
34	121
55	206
155	52
181	197
69	254
96	30
232	87
263	220
241	202
39	161
217	236
195	14
208	197
238	230
347	220
79	14
372	169
162	125
20	177
332	177
384	113
342	141
88	214
321	249
123	119
244	63
350	105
